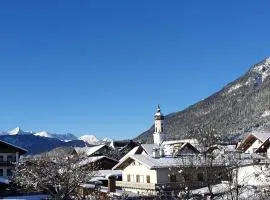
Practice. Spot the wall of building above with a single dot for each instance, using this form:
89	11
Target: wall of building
136	168
6	163
5	171
5	156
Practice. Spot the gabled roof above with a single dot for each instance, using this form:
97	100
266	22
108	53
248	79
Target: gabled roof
171	142
95	159
194	160
262	136
19	149
188	145
225	148
193	142
263	148
89	150
163	162
135	150
107	172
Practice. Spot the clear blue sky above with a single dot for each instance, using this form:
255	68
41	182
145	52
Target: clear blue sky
102	66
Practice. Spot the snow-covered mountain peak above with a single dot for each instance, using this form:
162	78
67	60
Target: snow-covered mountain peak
15	131
107	140
91	139
263	66
261	71
19	131
88	138
267	61
44	134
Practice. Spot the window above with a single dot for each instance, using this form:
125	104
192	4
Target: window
200	177
172	178
128	178
10	158
1	172
161	129
137	178
1	158
9	172
187	177
147	179
220	176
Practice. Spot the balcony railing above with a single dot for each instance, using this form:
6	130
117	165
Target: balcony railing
145	186
154	186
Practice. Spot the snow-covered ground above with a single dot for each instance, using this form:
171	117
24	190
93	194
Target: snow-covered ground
253	181
235	87
33	197
266	113
4	180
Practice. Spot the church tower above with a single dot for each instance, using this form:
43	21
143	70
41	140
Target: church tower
159	135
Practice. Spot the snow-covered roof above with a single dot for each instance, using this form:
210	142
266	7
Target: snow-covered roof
148	148
94	159
221	147
22	150
219	188
163	162
171	142
89	150
108	172
187	144
252	137
131	152
261	135
193	142
4	180
191	160
264	146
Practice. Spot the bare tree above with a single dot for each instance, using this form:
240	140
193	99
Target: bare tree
57	175
207	138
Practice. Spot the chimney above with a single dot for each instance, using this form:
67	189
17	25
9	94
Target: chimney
156	152
111	184
161	152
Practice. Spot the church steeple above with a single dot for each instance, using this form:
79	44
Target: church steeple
159	135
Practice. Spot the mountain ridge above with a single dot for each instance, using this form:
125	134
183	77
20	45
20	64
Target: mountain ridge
43	141
240	106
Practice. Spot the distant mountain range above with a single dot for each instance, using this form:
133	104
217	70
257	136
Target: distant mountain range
39	142
240	107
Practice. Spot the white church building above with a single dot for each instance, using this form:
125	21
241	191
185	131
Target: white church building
171	147
159	135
